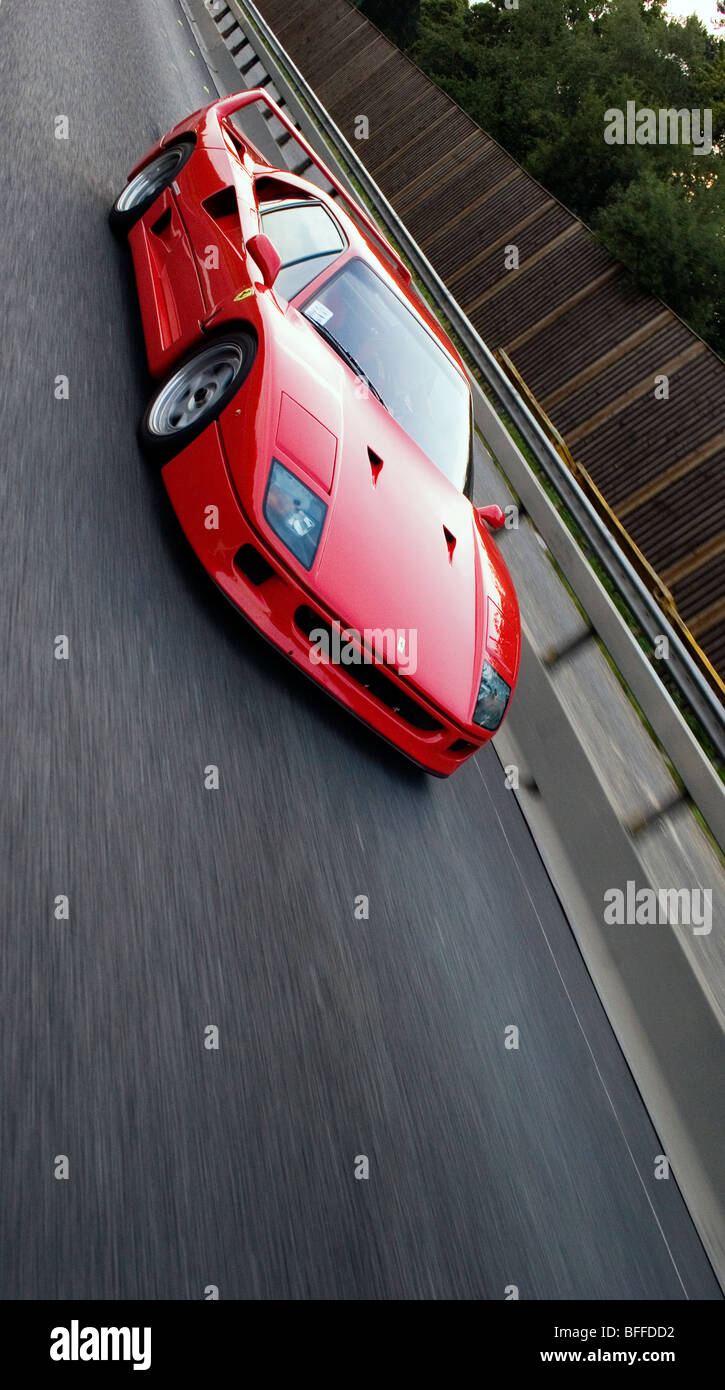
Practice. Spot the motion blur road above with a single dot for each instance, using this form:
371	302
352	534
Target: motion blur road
337	1037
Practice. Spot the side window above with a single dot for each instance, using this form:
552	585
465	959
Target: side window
307	240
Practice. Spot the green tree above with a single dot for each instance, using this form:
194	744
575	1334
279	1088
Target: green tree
540	78
399	20
673	241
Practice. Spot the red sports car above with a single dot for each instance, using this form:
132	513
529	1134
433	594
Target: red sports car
315	428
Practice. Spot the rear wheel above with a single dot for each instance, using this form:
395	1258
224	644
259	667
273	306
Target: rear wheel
143	190
196	392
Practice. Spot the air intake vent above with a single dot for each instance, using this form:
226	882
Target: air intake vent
222	206
450	542
252	565
160	225
372	678
222	203
376	464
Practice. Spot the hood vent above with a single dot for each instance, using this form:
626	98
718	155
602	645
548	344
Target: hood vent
450	542
376	464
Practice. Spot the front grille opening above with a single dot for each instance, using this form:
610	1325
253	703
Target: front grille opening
372	678
462	745
252	565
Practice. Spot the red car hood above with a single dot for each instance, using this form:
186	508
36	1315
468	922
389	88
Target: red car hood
400	548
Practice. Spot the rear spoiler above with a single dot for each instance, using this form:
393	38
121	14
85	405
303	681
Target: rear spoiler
229	105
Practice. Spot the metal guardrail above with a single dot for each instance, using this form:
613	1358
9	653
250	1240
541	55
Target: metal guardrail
689	680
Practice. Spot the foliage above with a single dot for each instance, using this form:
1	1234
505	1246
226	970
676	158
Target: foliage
540	78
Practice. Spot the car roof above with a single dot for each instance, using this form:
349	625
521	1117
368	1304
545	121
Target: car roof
302	189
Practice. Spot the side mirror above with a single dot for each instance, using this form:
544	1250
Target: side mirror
267	257
492	515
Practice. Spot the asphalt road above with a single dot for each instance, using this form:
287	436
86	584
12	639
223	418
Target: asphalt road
337	1037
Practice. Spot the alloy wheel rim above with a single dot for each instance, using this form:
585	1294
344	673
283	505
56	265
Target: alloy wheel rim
194	389
150	180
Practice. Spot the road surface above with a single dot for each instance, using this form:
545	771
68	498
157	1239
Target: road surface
338	1037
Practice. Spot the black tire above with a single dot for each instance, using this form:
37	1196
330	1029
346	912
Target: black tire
143	190
177	412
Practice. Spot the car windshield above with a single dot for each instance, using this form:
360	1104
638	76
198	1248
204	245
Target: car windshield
402	361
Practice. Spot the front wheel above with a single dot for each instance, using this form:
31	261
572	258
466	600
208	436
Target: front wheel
144	189
196	392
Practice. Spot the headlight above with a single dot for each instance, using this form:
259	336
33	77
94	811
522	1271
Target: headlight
295	513
493	696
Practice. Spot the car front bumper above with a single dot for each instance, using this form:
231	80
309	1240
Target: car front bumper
272	599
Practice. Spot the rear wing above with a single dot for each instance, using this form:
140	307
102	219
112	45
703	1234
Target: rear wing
229	105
